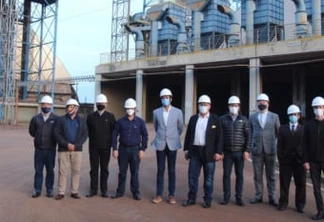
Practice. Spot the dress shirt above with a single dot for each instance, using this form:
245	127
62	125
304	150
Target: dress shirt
291	126
262	118
200	132
166	115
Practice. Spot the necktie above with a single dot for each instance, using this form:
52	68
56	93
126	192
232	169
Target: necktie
293	128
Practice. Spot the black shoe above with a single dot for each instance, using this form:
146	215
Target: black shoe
318	216
91	194
36	194
225	201
59	197
282	207
75	196
49	194
256	201
104	194
273	203
206	204
188	203
137	196
239	202
300	210
117	195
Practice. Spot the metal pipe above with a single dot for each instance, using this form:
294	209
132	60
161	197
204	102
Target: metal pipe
250	8
316	17
139	40
182	36
301	18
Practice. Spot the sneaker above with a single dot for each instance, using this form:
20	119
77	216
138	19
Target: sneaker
171	200
157	199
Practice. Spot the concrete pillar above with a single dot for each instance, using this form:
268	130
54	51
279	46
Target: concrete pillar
299	88
197	29
154	38
139	92
255	82
97	89
189	93
316	17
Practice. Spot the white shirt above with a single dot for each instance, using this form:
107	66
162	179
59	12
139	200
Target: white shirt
291	124
200	133
45	116
262	118
166	115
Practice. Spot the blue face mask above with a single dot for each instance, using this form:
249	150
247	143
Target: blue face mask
165	102
46	109
293	119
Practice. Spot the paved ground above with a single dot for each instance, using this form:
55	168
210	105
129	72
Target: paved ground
16	204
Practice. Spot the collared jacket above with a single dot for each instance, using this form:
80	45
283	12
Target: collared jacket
237	134
313	142
100	129
43	132
214	136
60	135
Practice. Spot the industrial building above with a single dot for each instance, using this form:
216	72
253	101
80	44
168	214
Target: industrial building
216	47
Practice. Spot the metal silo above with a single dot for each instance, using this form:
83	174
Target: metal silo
315	15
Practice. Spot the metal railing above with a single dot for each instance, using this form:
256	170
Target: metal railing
262	35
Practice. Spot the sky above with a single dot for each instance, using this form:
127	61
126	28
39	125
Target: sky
83	33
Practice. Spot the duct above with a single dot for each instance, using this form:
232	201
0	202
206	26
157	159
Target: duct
234	26
300	18
316	17
250	8
139	45
182	36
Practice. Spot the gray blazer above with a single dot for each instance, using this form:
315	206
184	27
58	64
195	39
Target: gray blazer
169	134
266	136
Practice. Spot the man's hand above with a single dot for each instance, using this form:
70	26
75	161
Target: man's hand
307	166
141	154
71	147
246	155
187	155
115	154
218	157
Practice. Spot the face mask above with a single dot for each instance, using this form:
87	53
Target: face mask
46	109
293	119
203	109
262	107
100	107
130	111
165	102
233	110
318	112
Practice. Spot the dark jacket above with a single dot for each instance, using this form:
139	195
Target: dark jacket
100	128
290	145
214	136
59	133
43	131
313	142
237	136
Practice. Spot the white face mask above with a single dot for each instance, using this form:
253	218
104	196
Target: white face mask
203	109
130	111
233	110
318	112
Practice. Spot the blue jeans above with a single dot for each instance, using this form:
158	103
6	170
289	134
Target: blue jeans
198	160
43	158
160	158
128	155
231	158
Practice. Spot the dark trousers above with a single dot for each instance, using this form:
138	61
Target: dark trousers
99	157
171	157
198	160
43	157
287	171
128	155
315	171
231	158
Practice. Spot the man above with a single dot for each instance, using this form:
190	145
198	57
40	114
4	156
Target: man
70	133
133	137
41	127
313	152
100	127
237	145
168	125
264	129
203	146
289	149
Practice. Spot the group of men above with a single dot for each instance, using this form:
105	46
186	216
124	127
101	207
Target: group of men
209	139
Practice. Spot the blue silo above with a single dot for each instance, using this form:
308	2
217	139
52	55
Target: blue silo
315	15
268	19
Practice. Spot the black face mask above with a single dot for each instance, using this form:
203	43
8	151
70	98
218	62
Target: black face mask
100	107
262	107
46	109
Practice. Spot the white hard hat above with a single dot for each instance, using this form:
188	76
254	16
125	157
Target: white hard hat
293	109
234	100
318	101
72	102
165	92
130	103
204	99
47	99
101	98
263	96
